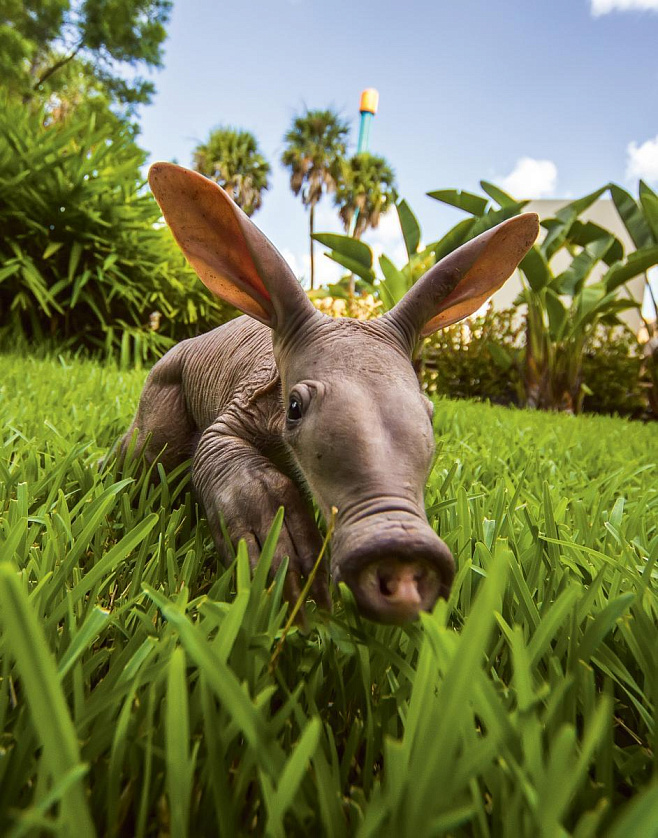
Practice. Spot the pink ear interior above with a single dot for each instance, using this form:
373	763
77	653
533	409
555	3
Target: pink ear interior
207	226
491	269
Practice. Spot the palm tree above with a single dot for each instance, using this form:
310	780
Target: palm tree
316	144
232	159
364	192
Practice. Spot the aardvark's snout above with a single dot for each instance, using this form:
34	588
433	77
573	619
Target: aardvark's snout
395	565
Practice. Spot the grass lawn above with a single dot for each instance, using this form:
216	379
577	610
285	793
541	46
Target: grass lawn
142	691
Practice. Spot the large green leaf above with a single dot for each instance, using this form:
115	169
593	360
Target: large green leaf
559	228
575	208
353	249
460	198
557	314
410	227
493	217
572	279
535	269
589	299
395	282
583	233
631	214
649	202
594	305
352	265
500	197
635	264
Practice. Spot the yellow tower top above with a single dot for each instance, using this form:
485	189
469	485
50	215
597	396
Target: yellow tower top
369	101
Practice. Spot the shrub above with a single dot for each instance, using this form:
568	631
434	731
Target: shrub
482	359
612	373
84	258
474	359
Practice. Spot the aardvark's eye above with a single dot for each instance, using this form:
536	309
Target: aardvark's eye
294	409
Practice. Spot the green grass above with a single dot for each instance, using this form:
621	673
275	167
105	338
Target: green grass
138	692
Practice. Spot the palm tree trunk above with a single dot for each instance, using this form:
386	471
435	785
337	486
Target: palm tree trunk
311	215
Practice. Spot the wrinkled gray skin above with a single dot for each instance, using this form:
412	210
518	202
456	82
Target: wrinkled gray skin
301	404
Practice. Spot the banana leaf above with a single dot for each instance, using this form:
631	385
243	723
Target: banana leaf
583	233
461	199
395	284
500	197
453	238
557	314
410	227
353	249
535	269
572	210
649	202
632	217
635	264
493	217
571	280
565	218
352	265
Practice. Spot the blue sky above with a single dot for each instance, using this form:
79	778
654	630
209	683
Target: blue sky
550	98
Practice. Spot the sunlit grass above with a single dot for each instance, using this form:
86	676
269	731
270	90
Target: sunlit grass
141	687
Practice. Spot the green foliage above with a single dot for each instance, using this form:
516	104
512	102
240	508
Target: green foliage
612	368
483	358
476	359
84	258
563	309
232	159
39	39
366	189
526	704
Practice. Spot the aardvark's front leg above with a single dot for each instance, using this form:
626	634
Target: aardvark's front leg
234	480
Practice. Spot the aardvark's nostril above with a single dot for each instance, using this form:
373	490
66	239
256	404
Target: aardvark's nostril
400	583
396	590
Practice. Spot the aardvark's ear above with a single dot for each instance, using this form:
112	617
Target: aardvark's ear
464	280
229	253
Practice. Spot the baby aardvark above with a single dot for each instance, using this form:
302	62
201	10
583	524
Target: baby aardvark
287	400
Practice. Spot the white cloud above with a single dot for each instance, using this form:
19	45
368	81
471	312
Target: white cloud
604	7
531	178
643	160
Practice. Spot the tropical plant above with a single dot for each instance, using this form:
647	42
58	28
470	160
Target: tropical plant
641	221
315	145
84	258
471	359
40	38
563	306
231	157
366	190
